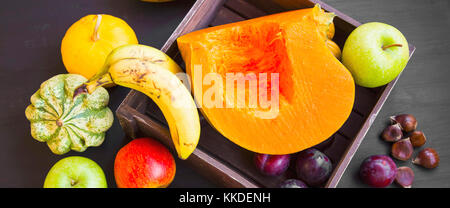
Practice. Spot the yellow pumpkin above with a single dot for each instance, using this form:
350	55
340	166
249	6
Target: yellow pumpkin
88	42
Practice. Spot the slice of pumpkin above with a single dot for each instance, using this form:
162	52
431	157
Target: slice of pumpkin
316	92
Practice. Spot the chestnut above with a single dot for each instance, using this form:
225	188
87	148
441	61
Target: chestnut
392	133
407	121
417	138
404	177
427	158
402	149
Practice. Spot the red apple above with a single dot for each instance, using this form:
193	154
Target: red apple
144	163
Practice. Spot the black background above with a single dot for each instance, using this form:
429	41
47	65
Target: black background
30	36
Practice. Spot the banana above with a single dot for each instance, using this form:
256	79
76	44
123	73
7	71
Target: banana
142	52
151	72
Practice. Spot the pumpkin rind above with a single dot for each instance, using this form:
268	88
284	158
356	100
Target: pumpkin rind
65	122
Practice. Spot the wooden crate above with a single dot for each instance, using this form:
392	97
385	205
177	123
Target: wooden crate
216	157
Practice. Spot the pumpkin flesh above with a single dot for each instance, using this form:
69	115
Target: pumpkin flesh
316	92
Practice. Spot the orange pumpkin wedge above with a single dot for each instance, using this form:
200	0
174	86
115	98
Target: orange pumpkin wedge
315	91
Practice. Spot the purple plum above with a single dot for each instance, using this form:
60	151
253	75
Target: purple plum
313	167
293	183
272	165
378	171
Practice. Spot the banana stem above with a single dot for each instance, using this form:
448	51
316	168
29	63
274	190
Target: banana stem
95	35
91	85
103	80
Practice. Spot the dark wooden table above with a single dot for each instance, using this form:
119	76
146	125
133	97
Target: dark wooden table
31	33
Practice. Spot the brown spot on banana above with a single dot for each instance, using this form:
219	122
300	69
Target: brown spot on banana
100	83
142	60
188	144
142	75
150	59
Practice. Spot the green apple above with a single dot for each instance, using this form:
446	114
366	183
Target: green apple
375	53
75	172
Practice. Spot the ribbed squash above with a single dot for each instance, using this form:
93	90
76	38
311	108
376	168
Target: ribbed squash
65	122
316	92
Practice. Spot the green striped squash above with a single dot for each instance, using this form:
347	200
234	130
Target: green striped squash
64	122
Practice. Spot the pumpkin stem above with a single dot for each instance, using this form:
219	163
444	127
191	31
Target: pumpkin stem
95	35
392	45
59	122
